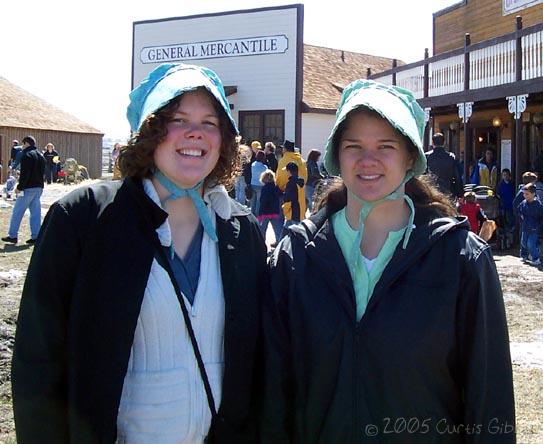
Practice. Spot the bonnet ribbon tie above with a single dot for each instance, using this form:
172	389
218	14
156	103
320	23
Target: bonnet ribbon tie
399	193
177	192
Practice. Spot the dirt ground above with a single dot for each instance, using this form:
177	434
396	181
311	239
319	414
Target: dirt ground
523	295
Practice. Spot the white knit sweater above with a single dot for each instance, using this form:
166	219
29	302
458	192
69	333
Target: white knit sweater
163	399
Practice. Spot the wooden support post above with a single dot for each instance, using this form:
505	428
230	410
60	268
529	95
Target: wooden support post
517	158
468	152
394	65
467	42
517	140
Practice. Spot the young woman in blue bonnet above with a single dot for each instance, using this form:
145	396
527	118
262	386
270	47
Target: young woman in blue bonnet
163	349
386	322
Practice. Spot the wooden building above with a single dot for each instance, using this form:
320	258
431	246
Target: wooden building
22	114
326	72
483	87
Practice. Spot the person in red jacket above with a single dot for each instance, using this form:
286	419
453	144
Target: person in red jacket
473	211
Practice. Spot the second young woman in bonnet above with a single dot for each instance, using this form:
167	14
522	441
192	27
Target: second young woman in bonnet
386	322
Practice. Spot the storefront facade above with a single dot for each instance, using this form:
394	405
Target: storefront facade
278	87
257	54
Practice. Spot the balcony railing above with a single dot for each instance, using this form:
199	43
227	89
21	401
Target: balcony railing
502	60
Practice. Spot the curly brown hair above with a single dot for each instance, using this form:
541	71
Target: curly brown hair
136	159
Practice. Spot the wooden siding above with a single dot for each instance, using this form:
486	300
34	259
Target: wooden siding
482	19
85	148
316	129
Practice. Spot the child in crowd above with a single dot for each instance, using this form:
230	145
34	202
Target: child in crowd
527	177
506	192
531	215
9	187
270	205
473	211
294	200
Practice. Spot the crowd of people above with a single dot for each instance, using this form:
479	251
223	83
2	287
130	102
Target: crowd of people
29	170
52	161
168	322
520	211
277	183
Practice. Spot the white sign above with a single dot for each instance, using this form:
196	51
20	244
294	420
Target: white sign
249	46
257	51
505	161
510	6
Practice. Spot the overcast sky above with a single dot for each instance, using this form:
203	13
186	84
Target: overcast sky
77	55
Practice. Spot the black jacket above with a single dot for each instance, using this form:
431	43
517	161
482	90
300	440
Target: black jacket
292	195
313	173
430	353
49	156
272	161
246	171
80	306
32	169
270	199
444	167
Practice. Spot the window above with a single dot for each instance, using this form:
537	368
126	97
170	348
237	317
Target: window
264	126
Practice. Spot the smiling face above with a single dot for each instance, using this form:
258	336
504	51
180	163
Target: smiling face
191	148
373	157
528	195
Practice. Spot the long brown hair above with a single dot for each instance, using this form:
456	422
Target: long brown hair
136	159
421	190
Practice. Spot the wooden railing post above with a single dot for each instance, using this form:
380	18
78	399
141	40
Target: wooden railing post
368	73
426	73
518	52
394	65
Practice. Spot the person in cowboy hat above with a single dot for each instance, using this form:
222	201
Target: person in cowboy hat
385	310
148	332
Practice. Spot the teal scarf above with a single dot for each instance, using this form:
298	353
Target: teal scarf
178	193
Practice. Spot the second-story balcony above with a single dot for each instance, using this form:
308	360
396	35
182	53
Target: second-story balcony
506	65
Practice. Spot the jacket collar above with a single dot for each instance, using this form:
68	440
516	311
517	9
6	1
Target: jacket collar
323	248
324	251
428	230
150	211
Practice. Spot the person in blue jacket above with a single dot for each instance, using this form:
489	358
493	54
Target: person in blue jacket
531	216
386	321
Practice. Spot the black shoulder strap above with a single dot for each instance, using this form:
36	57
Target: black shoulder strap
163	260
